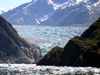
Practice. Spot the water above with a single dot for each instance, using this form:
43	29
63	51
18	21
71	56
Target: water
47	37
32	69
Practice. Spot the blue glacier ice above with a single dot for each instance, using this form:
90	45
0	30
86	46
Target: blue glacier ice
47	37
32	69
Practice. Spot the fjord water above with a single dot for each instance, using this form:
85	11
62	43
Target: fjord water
47	37
32	69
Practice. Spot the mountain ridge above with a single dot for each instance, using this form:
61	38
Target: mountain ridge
54	13
29	13
75	14
81	50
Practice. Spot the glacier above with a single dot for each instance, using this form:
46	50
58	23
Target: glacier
33	69
47	37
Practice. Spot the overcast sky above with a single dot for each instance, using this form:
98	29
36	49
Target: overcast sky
9	4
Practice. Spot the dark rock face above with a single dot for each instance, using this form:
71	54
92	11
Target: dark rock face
15	48
52	57
91	59
73	51
81	50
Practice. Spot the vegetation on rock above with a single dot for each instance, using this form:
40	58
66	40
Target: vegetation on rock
15	49
81	50
52	57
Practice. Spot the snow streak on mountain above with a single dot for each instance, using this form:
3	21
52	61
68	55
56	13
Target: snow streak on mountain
29	13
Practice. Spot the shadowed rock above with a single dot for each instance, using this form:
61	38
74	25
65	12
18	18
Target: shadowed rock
81	50
15	49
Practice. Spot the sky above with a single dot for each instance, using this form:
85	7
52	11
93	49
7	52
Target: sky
9	4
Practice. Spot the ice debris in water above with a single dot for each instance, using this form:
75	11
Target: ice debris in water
47	37
32	69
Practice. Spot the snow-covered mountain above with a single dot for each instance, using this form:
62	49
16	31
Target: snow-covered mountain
75	13
31	13
54	12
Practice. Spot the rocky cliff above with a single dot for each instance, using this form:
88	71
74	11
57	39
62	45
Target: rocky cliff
15	49
81	50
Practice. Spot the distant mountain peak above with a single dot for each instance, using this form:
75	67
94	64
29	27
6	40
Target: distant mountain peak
2	11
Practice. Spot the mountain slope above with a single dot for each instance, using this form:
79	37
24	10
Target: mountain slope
81	50
55	13
75	13
15	48
29	13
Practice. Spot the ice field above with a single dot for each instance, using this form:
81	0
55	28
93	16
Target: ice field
47	37
32	69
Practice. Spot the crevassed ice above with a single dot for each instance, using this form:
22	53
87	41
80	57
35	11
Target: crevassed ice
47	37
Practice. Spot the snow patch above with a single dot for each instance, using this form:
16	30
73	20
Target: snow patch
69	3
78	1
97	3
45	17
37	21
14	13
88	7
56	6
25	11
76	9
30	4
25	8
20	19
